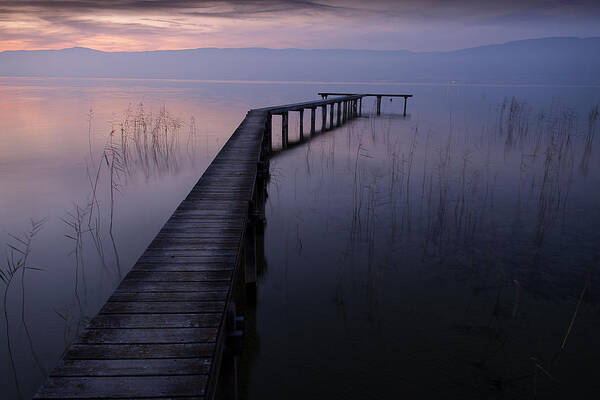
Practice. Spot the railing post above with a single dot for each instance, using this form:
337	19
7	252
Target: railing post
302	124
405	99
284	129
378	105
323	118
312	121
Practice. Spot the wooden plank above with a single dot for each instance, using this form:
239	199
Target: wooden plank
148	335
194	244
159	307
194	240
184	267
205	260
191	252
139	351
193	231
123	387
171	297
157	367
180	276
128	321
136	286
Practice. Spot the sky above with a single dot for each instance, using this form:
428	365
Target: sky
417	25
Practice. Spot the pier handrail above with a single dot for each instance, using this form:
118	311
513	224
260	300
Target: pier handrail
324	95
308	104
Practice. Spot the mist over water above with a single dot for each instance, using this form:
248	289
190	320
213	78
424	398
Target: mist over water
445	252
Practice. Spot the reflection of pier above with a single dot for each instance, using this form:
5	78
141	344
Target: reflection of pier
163	332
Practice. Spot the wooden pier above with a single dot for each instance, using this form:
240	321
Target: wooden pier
163	332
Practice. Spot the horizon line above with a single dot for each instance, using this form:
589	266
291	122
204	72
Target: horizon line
305	49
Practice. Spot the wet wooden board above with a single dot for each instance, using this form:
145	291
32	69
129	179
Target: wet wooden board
161	333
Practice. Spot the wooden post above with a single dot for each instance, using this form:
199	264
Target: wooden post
302	124
339	113
344	111
324	118
378	105
312	121
360	106
284	130
331	116
405	99
268	138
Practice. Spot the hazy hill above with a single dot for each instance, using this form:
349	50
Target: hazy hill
538	61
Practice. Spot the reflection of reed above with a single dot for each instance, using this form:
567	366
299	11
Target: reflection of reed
589	139
487	209
142	143
17	263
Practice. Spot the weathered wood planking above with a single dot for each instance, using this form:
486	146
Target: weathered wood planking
161	333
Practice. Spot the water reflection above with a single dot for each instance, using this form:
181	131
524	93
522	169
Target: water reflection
378	233
103	182
453	261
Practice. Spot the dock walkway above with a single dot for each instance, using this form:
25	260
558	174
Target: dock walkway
163	331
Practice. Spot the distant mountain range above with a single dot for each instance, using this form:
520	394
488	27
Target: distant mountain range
560	60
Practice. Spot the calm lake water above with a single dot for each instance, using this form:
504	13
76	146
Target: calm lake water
448	254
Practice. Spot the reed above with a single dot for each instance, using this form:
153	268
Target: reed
17	264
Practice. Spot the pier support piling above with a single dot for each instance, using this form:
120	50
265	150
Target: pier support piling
312	121
331	116
324	118
284	130
268	138
378	105
302	124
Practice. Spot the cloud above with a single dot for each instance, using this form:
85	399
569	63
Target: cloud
386	24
